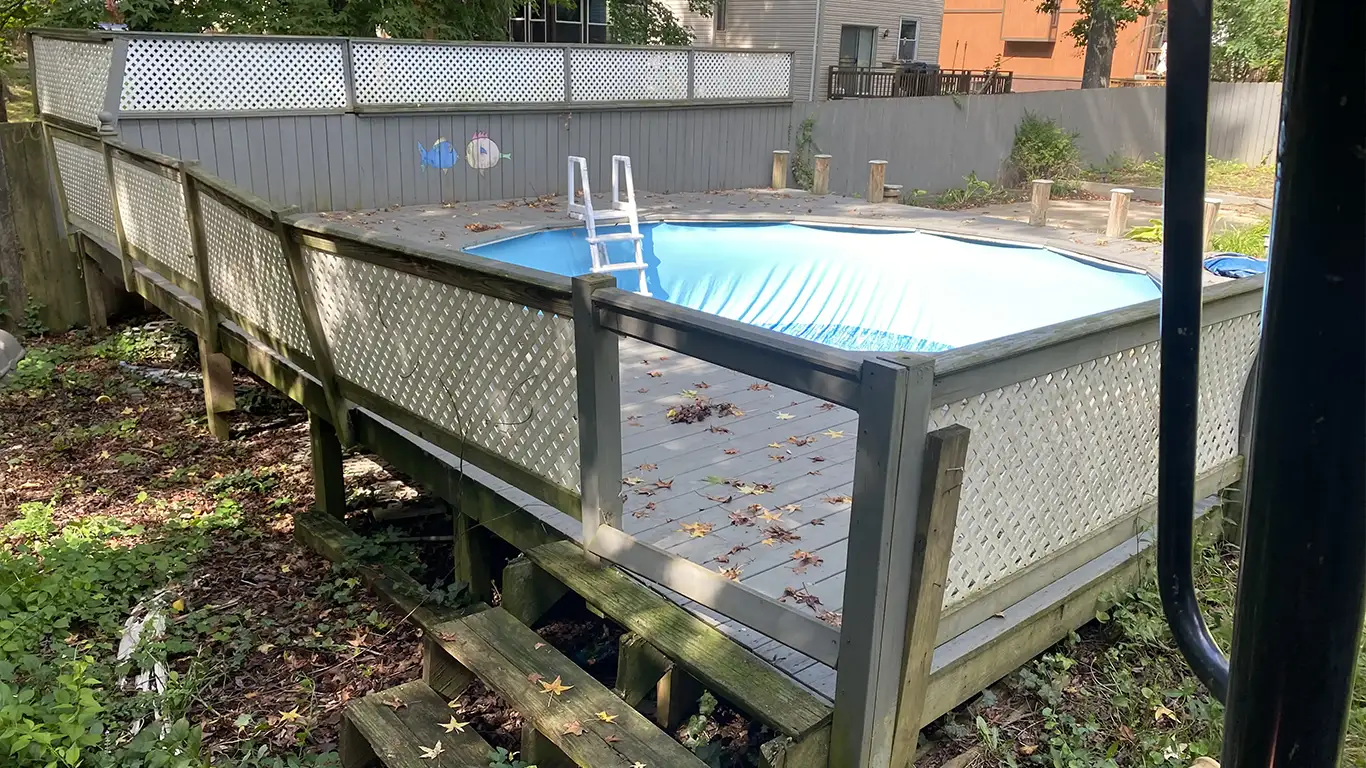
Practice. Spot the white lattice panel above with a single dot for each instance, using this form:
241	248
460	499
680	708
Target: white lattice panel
1056	458
248	274
224	74
86	185
152	211
403	73
72	78
496	373
725	75
614	74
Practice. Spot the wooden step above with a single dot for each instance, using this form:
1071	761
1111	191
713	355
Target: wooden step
515	662
377	731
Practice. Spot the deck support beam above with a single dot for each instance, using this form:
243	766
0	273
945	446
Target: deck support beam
528	591
329	485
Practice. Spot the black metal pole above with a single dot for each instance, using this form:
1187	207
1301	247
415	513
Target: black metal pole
1303	574
1188	54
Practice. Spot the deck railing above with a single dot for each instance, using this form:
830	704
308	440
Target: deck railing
871	83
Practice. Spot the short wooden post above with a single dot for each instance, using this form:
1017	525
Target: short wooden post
540	751
780	161
218	388
676	696
946	452
891	193
208	310
640	667
1039	192
894	405
598	369
440	671
329	485
1118	223
877	179
528	591
820	180
474	557
1211	217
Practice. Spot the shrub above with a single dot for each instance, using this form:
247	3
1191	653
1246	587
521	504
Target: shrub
1043	150
1249	240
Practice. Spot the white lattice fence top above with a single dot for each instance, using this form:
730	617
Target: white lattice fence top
72	78
495	373
152	211
1054	459
414	73
731	75
86	185
248	274
614	74
201	74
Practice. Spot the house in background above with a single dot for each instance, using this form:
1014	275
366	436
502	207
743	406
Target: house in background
822	33
1035	46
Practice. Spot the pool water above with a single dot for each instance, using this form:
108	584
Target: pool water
852	288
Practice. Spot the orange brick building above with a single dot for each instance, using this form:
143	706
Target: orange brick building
1035	45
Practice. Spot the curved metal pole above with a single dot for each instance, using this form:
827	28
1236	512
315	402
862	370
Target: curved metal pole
1188	54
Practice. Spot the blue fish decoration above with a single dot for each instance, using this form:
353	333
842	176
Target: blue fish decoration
442	155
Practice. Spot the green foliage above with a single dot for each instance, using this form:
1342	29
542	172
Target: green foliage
651	22
1249	40
1120	12
151	344
1149	233
698	732
1229	176
501	758
1247	239
803	165
32	323
974	192
1044	150
37	372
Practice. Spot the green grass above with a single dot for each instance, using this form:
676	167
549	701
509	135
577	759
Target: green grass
1248	239
1228	176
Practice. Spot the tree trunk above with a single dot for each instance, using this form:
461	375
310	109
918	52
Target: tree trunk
1100	49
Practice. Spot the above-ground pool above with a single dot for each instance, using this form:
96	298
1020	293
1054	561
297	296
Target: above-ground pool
852	288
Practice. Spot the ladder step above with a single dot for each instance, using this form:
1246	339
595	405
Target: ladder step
513	661
603	214
615	237
627	267
373	729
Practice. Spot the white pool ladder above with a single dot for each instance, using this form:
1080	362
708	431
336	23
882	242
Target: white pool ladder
621	209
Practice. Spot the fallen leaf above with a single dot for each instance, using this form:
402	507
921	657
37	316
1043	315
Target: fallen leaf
814	472
648	467
641	513
785	416
729	451
431	753
817	459
554	687
611	738
833	618
178	606
702	385
606	718
632	480
805	560
449	637
729	410
573	728
791	507
800	441
827	406
691	394
770	515
655	374
395	704
767	542
759	386
643	390
779	456
719	430
639	764
738	548
665	484
738	517
779	533
818	521
454	725
538	646
291	715
696	530
1162	712
732	573
646	491
534	677
833	434
801	597
775	445
719	499
265	647
1028	749
838	499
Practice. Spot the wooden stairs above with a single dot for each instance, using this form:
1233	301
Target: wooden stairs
571	718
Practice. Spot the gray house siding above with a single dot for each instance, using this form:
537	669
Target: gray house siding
787	25
886	16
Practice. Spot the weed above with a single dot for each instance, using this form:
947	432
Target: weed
1229	176
1248	239
36	373
803	163
1149	233
32	324
501	758
974	192
1043	150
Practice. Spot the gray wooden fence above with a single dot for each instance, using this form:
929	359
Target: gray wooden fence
932	143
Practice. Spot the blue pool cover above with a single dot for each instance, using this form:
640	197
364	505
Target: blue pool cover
856	289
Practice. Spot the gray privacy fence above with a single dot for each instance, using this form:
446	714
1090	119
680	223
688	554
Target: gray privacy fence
335	123
932	143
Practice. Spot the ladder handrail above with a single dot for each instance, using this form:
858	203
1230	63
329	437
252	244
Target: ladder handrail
597	246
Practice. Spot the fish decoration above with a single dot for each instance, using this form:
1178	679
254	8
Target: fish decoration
442	155
482	153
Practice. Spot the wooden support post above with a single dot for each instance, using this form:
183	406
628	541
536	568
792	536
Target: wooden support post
540	751
474	557
780	159
877	180
640	667
820	181
441	672
218	389
329	486
676	696
894	405
1211	218
941	479
528	591
1118	223
353	749
810	751
94	289
1039	192
598	367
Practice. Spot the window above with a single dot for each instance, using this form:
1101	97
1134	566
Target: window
718	16
858	46
542	21
908	40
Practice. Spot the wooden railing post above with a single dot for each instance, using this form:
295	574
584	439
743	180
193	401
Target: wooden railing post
598	369
820	181
1040	189
877	179
219	397
946	453
1118	223
780	158
323	364
894	405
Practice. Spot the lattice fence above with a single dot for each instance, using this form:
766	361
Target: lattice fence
495	373
203	74
72	78
1058	457
614	74
152	211
86	186
248	274
415	73
728	75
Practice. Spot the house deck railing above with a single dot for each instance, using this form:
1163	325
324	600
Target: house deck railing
890	82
